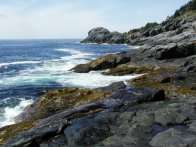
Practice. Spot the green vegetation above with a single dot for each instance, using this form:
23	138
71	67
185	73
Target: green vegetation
171	89
58	100
188	8
147	27
126	69
13	130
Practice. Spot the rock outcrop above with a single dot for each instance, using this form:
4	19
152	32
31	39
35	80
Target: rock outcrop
102	35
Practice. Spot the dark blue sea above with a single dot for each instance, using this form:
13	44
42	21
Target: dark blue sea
28	68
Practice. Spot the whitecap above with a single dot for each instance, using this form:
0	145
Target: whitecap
91	80
71	51
19	62
75	54
10	113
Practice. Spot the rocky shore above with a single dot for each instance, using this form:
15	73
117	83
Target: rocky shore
156	109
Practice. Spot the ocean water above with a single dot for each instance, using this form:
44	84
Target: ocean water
28	68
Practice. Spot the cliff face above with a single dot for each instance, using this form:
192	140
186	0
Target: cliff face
174	29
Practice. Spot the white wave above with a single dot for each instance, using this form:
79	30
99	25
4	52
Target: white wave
57	70
19	62
90	43
75	54
71	51
48	70
91	80
135	47
113	44
11	112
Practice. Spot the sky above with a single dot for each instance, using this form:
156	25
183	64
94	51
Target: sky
67	19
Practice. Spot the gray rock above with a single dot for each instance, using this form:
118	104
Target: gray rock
145	119
112	87
192	126
169	116
194	26
126	117
97	35
90	130
58	141
102	35
116	38
173	138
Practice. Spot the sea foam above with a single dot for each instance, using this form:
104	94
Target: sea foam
11	112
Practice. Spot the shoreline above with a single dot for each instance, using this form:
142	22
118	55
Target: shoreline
155	109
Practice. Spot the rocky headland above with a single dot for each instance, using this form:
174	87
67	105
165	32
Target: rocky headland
156	109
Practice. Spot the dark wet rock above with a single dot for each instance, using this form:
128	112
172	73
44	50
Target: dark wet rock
57	141
49	127
136	96
81	68
123	58
173	137
156	128
166	80
173	51
90	131
112	87
79	122
170	116
137	136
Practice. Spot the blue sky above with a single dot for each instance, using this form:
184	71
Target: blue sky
37	19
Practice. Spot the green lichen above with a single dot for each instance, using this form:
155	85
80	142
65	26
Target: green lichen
127	69
11	131
170	88
56	101
98	62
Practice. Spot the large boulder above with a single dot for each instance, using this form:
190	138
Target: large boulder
102	35
88	131
97	35
176	51
105	62
170	116
168	51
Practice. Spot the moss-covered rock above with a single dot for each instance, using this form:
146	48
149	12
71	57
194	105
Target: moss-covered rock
10	131
58	100
104	62
125	69
171	88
